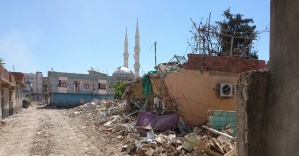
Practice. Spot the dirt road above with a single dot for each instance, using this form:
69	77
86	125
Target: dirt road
44	131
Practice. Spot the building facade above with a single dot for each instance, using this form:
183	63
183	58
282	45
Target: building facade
19	94
72	89
11	92
34	85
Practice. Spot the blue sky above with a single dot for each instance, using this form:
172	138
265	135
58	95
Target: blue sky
75	35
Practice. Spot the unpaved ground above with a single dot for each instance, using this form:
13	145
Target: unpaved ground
42	130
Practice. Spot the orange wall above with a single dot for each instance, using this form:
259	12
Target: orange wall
195	92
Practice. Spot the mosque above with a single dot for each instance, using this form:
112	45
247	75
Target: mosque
124	73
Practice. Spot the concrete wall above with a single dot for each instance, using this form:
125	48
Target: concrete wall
75	99
19	98
12	101
5	104
195	92
90	89
282	108
251	109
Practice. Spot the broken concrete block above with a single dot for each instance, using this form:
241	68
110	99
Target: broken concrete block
170	137
133	136
149	152
192	138
145	146
124	148
159	139
120	127
197	150
119	137
179	148
142	151
153	145
131	148
159	150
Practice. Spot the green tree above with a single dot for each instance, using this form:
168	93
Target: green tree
1	62
119	88
241	31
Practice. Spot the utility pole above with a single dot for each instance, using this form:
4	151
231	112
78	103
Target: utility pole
155	44
155	53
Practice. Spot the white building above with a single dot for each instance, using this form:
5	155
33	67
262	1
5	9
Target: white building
34	85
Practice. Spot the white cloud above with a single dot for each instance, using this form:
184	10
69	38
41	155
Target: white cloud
16	50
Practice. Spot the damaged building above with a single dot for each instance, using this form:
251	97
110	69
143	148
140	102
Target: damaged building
200	90
72	89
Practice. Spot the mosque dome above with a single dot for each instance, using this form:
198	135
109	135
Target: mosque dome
123	72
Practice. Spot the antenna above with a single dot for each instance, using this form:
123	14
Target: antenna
13	67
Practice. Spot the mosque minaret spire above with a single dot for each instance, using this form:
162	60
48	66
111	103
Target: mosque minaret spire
137	51
126	54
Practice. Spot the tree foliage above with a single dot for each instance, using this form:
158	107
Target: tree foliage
1	62
119	88
216	39
243	32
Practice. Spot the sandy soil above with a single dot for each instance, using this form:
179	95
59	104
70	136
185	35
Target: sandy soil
40	130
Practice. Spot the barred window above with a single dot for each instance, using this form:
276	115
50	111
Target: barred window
86	85
62	83
102	86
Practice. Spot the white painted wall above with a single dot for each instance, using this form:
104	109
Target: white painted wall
83	89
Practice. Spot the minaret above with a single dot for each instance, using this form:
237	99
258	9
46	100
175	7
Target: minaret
126	54
137	50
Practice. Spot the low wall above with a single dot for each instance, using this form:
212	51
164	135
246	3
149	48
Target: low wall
72	100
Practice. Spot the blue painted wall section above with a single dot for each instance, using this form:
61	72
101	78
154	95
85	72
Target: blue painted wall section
75	99
218	119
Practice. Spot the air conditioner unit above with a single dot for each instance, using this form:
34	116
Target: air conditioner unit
226	90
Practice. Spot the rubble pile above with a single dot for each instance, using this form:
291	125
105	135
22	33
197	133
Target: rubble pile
99	112
143	133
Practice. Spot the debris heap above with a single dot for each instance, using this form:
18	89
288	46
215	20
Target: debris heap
144	133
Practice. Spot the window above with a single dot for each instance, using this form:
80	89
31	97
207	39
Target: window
86	85
102	86
62	83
